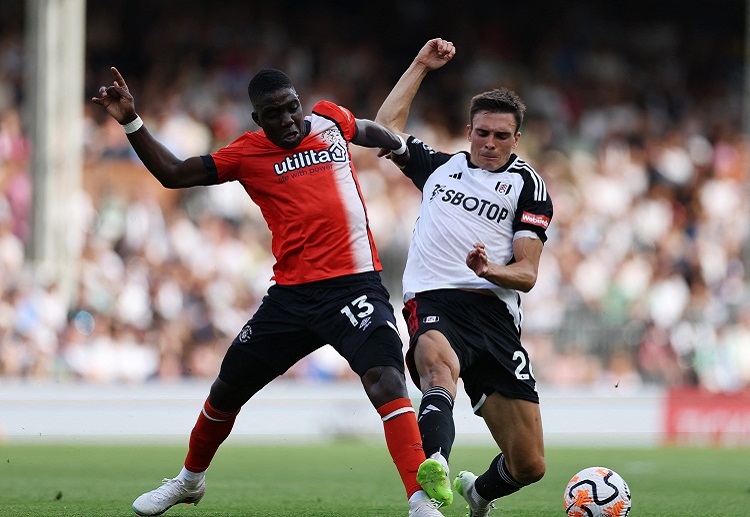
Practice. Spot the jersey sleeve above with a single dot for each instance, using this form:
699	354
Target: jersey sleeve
423	160
534	211
225	162
340	115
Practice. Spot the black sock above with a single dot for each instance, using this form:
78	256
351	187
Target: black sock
497	481
436	421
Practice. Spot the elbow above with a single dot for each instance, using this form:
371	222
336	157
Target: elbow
175	174
169	183
527	284
172	178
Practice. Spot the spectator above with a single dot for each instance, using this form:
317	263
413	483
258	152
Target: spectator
649	176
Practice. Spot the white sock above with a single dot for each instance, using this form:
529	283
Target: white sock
419	495
478	499
190	478
440	458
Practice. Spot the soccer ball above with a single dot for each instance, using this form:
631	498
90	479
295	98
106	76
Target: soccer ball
597	492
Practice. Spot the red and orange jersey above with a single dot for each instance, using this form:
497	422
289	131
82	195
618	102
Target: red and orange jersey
309	196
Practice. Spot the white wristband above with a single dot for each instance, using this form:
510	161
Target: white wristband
401	150
133	125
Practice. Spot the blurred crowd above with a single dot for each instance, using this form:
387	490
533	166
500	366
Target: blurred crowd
636	127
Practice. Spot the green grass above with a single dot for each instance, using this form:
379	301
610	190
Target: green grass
349	480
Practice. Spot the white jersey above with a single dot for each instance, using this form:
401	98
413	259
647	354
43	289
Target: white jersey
463	204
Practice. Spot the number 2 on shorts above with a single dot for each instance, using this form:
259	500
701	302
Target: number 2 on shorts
518	356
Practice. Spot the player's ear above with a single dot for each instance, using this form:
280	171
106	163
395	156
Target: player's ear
255	118
468	131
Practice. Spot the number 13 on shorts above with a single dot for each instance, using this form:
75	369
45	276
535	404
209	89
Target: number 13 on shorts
358	310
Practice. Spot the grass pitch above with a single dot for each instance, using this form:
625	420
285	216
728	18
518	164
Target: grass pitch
350	480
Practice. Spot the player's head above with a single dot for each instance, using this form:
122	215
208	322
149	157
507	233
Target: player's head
276	107
499	100
494	129
267	81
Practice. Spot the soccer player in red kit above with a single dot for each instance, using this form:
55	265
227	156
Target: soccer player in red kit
327	289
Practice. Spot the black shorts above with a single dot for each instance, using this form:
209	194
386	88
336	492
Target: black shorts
293	321
481	331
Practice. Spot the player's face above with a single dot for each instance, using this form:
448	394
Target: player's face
493	137
280	115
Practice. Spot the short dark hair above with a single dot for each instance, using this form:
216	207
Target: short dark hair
499	100
267	80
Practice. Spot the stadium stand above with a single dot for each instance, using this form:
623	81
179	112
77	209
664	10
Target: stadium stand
634	122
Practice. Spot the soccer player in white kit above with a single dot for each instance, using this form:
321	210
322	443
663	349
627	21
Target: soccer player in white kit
476	244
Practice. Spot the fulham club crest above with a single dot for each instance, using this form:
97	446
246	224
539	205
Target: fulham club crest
503	188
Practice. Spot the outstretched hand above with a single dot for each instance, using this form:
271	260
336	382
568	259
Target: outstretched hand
399	159
117	100
435	53
477	260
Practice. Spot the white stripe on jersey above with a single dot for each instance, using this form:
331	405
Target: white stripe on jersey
356	219
345	182
540	189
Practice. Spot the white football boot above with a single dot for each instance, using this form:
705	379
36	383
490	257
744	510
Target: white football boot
420	505
170	493
464	485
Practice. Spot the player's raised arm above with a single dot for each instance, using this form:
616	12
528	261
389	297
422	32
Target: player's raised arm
372	134
395	109
165	166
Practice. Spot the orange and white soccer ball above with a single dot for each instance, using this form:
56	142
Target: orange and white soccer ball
597	492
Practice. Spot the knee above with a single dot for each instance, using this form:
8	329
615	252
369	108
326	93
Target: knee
228	397
529	471
438	373
436	363
384	384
